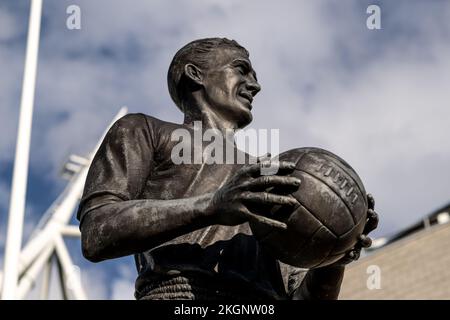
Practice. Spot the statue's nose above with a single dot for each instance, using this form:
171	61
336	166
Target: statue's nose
253	87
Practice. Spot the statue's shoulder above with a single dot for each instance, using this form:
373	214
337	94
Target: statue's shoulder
142	127
139	120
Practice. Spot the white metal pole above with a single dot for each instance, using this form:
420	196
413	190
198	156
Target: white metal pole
62	280
45	285
71	273
70	231
20	173
28	280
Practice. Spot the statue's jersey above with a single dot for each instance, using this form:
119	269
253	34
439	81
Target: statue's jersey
134	162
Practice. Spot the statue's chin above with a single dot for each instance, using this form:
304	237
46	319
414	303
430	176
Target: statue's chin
244	120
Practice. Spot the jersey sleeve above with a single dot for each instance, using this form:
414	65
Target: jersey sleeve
121	166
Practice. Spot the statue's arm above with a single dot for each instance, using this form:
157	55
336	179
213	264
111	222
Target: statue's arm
122	228
321	284
119	227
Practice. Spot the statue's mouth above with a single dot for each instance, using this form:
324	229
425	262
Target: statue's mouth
247	96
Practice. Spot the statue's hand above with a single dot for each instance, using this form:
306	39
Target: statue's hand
232	203
364	241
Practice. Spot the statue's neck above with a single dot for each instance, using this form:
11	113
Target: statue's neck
209	120
200	110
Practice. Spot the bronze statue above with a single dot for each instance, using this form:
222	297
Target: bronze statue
187	224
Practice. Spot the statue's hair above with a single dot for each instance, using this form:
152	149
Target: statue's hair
198	53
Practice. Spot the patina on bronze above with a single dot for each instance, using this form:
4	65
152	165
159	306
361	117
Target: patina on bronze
187	224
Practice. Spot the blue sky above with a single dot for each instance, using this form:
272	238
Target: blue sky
378	98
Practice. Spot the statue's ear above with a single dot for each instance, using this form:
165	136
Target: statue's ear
194	73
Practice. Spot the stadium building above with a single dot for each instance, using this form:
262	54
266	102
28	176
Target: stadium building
413	264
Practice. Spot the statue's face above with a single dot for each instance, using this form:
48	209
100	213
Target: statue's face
230	84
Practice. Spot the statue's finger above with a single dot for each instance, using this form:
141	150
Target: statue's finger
365	241
354	254
372	221
370	201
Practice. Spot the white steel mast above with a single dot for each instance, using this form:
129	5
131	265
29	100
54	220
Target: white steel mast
20	173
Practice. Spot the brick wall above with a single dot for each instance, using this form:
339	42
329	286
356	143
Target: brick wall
415	267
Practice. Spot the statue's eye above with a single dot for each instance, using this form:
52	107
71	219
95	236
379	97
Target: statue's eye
241	69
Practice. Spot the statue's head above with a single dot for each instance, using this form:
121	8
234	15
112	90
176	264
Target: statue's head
219	72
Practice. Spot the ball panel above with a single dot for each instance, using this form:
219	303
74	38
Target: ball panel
330	259
360	205
319	247
293	155
301	227
282	245
339	180
323	203
277	212
348	240
303	222
346	167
